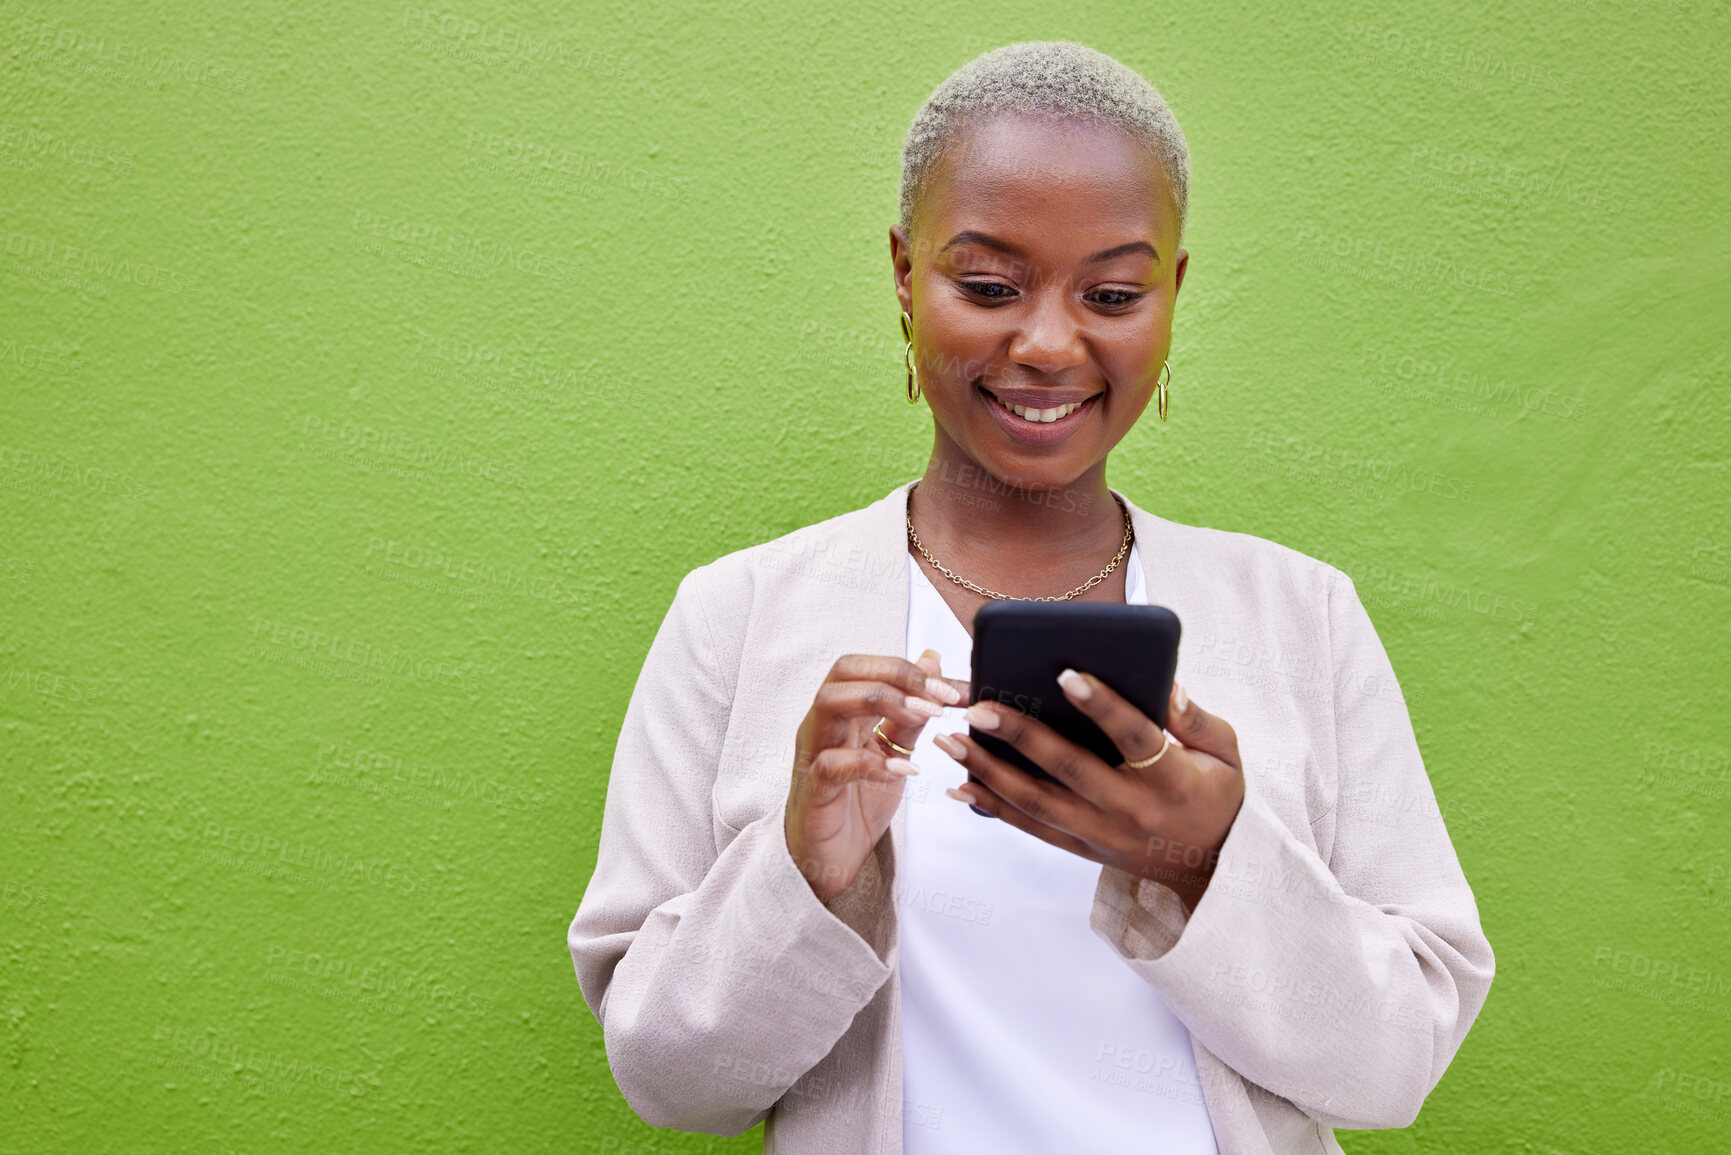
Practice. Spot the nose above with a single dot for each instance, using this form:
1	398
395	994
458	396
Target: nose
1050	340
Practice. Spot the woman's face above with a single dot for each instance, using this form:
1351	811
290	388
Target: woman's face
1043	272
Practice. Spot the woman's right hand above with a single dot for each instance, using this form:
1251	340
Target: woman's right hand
846	784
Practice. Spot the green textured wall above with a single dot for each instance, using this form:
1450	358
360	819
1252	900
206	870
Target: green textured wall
370	376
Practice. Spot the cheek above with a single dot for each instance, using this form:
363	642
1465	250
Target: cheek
957	345
1133	361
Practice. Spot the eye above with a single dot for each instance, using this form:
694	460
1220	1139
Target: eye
1115	298
987	290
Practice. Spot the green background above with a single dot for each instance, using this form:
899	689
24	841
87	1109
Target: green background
369	377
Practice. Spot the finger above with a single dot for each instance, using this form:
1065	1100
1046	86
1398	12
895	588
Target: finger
1043	802
1136	735
1069	763
835	769
898	672
1200	730
978	795
907	734
839	705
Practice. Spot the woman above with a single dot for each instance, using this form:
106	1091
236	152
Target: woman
1253	931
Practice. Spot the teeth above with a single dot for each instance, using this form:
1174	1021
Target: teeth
1043	415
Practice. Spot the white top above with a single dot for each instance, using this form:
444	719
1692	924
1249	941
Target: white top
1022	1030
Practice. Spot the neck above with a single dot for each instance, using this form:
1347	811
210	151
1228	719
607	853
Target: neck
990	529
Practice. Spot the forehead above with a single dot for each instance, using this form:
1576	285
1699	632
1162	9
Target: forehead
1035	172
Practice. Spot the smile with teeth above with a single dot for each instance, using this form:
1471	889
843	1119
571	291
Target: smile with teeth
1042	416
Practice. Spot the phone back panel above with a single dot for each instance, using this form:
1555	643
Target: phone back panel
1021	647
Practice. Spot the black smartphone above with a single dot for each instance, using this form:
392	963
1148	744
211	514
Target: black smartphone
1020	648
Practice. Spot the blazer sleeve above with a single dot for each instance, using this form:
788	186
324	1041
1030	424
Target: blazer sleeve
716	974
1344	985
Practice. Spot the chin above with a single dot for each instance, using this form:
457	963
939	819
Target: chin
1035	475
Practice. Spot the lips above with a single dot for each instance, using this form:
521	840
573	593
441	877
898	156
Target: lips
1036	418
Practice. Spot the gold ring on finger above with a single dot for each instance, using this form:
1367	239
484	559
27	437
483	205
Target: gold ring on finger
1147	762
878	730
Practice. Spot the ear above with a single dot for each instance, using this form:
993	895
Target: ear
1183	263
902	262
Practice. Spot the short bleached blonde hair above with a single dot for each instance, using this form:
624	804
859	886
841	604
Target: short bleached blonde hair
1057	78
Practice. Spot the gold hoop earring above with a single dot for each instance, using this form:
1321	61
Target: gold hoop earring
1160	387
908	359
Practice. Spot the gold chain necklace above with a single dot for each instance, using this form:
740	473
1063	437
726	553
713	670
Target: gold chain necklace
1123	549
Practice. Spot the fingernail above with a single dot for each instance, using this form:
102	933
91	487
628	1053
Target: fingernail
901	766
1075	684
921	706
955	792
950	745
982	716
943	691
1180	700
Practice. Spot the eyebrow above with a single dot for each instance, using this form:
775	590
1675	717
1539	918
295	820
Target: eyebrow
975	237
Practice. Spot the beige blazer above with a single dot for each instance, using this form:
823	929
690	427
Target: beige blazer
1327	976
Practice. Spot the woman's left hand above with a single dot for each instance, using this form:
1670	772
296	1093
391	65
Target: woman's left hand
1164	822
